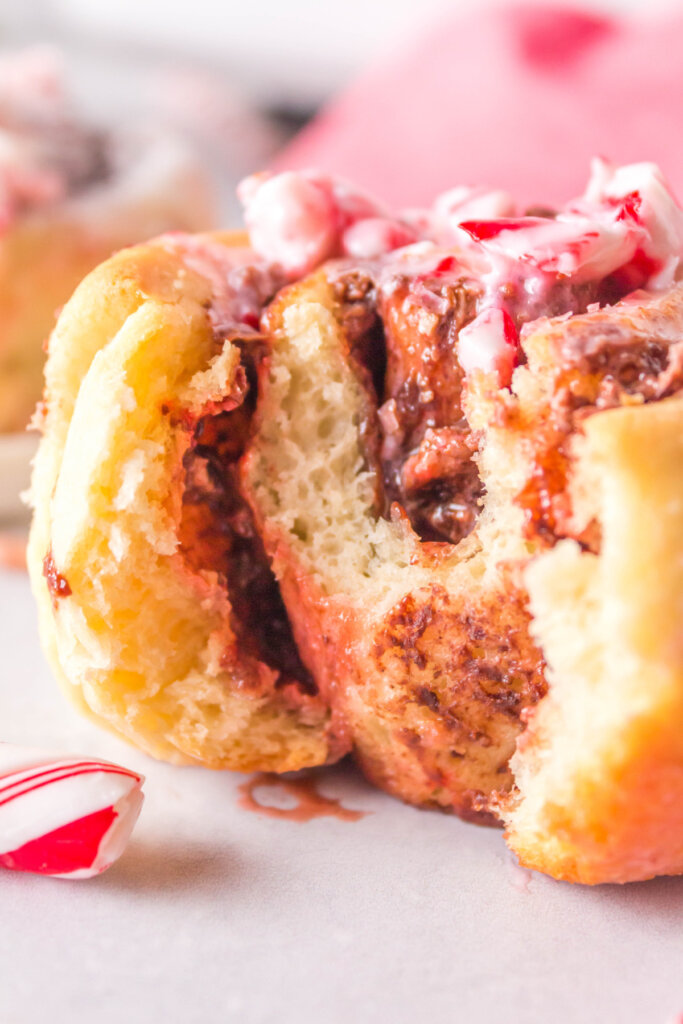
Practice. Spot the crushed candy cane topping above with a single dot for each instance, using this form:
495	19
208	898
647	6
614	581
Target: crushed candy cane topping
488	343
300	219
625	232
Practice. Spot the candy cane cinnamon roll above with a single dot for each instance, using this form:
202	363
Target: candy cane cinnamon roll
70	195
473	555
454	437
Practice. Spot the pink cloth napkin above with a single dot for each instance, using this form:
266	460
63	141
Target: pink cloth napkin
519	97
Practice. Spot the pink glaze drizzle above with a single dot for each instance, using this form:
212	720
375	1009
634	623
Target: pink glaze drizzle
240	285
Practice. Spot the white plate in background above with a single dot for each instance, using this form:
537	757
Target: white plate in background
16	453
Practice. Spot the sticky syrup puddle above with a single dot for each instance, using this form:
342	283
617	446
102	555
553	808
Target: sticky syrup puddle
309	803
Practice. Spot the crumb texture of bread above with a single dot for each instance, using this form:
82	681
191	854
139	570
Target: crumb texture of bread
437	653
530	672
139	637
425	648
599	773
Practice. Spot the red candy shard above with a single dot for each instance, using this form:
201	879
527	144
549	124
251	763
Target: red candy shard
481	230
57	584
73	847
63	815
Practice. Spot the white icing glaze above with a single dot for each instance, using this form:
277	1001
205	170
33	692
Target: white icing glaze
376	236
240	284
576	247
626	230
489	344
657	209
464	203
300	219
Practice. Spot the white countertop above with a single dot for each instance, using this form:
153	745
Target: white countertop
215	914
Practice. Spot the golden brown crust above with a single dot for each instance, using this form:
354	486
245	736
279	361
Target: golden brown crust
600	772
429	658
430	649
429	666
141	635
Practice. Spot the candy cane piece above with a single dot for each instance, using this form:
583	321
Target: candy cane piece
69	817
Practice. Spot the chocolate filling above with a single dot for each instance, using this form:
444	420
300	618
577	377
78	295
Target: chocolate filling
402	339
405	335
425	447
218	534
600	367
428	445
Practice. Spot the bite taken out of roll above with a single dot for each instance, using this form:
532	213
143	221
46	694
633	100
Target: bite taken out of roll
441	434
558	640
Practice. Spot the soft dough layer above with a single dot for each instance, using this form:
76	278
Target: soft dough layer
425	647
531	672
140	634
599	772
437	653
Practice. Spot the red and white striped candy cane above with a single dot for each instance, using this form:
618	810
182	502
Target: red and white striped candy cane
70	817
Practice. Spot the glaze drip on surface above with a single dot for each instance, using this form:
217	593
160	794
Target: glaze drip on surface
309	803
